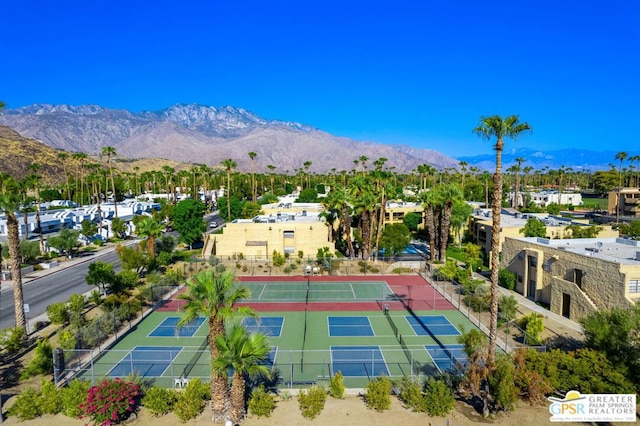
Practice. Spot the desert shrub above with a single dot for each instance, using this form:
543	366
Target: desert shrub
336	385
378	396
58	312
50	401
111	401
159	401
72	396
95	298
42	361
190	402
502	384
277	259
12	339
438	398
507	307
312	402
411	393
26	406
261	402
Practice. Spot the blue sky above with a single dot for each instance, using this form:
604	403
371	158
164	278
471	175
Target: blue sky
403	72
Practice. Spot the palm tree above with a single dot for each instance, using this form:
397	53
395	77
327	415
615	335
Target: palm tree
307	165
34	181
619	156
490	127
229	165
9	203
110	151
463	168
518	160
213	294
149	228
271	168
244	353
252	156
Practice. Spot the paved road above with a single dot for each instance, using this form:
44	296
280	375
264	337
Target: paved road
56	285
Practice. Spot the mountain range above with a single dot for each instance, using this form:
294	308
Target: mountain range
207	135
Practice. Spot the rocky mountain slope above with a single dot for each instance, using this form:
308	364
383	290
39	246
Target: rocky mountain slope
206	135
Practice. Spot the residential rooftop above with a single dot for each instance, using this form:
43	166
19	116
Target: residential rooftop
619	250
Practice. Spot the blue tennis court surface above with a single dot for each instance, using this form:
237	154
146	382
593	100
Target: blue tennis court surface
437	325
146	361
350	326
169	328
446	357
269	326
358	361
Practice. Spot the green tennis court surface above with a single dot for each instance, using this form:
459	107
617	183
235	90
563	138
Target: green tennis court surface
318	291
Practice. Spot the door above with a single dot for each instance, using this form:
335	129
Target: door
566	305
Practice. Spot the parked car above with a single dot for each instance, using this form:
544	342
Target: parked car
213	224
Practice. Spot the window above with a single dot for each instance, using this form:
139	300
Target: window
520	256
289	249
288	234
634	286
519	278
533	262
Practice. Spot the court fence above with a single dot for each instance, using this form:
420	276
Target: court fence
291	369
510	336
97	335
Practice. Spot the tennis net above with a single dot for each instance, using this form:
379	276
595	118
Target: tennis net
196	356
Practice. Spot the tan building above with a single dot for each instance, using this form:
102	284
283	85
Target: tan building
512	221
578	276
285	232
628	203
395	211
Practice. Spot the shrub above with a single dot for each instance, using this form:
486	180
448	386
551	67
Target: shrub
378	396
411	393
72	397
12	339
502	384
261	402
42	361
507	279
189	403
50	401
58	312
159	401
533	324
26	406
111	401
438	398
312	402
336	385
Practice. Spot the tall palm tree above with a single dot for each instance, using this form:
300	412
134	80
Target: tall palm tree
214	295
9	203
34	180
271	168
490	127
82	158
229	165
149	228
252	156
110	152
243	353
518	160
307	166
619	156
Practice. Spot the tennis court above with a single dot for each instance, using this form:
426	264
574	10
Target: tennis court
435	325
363	327
146	361
349	326
313	290
358	361
269	326
169	327
446	357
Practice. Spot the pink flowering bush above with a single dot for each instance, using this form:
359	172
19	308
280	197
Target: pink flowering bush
111	401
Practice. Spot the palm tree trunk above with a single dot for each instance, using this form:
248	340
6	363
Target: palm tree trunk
219	382
495	255
237	398
16	273
346	221
383	204
431	230
444	235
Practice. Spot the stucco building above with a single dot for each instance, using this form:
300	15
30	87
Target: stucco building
626	201
578	276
